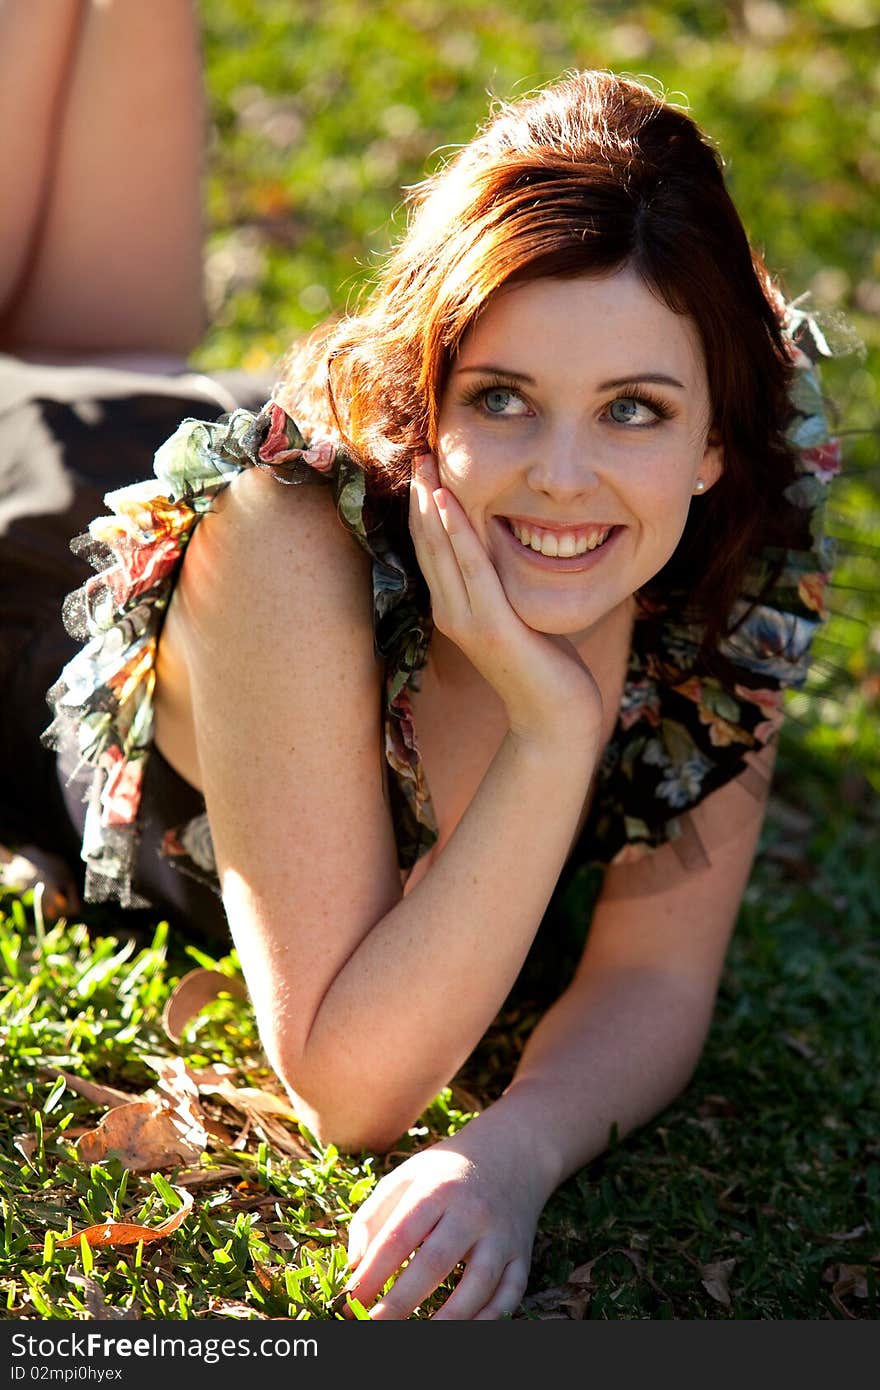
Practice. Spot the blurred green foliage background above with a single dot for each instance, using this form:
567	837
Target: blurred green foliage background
322	112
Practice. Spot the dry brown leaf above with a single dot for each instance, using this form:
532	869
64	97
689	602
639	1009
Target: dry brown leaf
181	1096
190	995
715	1278
282	1240
577	1305
847	1279
834	1236
240	1141
25	1143
583	1274
250	1100
218	1130
101	1095
144	1134
206	1177
274	1133
230	1308
206	1077
93	1298
128	1233
267	1276
547	1299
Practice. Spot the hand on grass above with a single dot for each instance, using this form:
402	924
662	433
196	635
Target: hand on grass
459	1202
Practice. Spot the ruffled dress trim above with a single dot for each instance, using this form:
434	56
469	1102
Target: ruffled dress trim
678	740
103	700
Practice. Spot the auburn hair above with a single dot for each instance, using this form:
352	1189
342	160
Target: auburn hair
585	177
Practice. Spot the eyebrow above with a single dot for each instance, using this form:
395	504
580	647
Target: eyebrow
658	378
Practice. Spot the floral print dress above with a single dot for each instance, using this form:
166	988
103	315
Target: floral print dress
679	735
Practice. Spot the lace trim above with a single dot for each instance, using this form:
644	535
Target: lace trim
103	700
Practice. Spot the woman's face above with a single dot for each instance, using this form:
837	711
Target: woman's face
579	409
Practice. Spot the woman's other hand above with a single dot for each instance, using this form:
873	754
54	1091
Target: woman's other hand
467	1199
545	686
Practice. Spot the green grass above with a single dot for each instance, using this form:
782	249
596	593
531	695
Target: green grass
756	1194
770	1159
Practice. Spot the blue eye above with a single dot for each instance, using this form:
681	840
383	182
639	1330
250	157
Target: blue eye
497	398
637	412
629	410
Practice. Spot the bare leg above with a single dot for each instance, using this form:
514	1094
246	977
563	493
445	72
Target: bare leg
115	259
36	43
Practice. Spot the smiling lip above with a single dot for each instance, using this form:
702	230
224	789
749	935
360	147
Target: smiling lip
580	528
571	564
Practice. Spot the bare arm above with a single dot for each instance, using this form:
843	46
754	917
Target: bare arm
349	980
616	1048
623	1040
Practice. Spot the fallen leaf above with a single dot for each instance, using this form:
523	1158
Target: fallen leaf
240	1141
798	1043
287	1143
282	1240
717	1105
182	1093
835	1237
144	1134
127	1233
714	1278
266	1275
250	1100
205	1177
93	1297
547	1299
218	1130
101	1095
261	1109
576	1306
191	994
847	1279
231	1308
25	1143
206	1077
583	1274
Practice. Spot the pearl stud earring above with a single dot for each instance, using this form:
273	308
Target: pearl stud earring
700	485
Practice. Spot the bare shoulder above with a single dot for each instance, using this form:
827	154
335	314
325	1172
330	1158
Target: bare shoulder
275	603
262	532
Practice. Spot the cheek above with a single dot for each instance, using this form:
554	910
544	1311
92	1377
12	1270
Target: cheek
662	491
458	467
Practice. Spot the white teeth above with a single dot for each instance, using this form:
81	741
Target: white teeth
564	544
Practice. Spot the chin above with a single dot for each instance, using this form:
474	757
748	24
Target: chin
557	620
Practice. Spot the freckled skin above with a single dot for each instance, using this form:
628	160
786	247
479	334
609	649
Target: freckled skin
552	449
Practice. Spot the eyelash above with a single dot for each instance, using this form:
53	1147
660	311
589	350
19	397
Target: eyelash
662	409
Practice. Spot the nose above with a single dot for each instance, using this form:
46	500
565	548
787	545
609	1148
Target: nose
564	466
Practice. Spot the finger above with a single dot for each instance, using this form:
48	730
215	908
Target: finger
477	1286
509	1293
371	1216
434	551
387	1251
433	1261
483	588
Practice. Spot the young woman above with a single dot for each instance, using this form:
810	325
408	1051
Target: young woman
550	556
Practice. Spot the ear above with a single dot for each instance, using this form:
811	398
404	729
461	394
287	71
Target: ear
712	465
